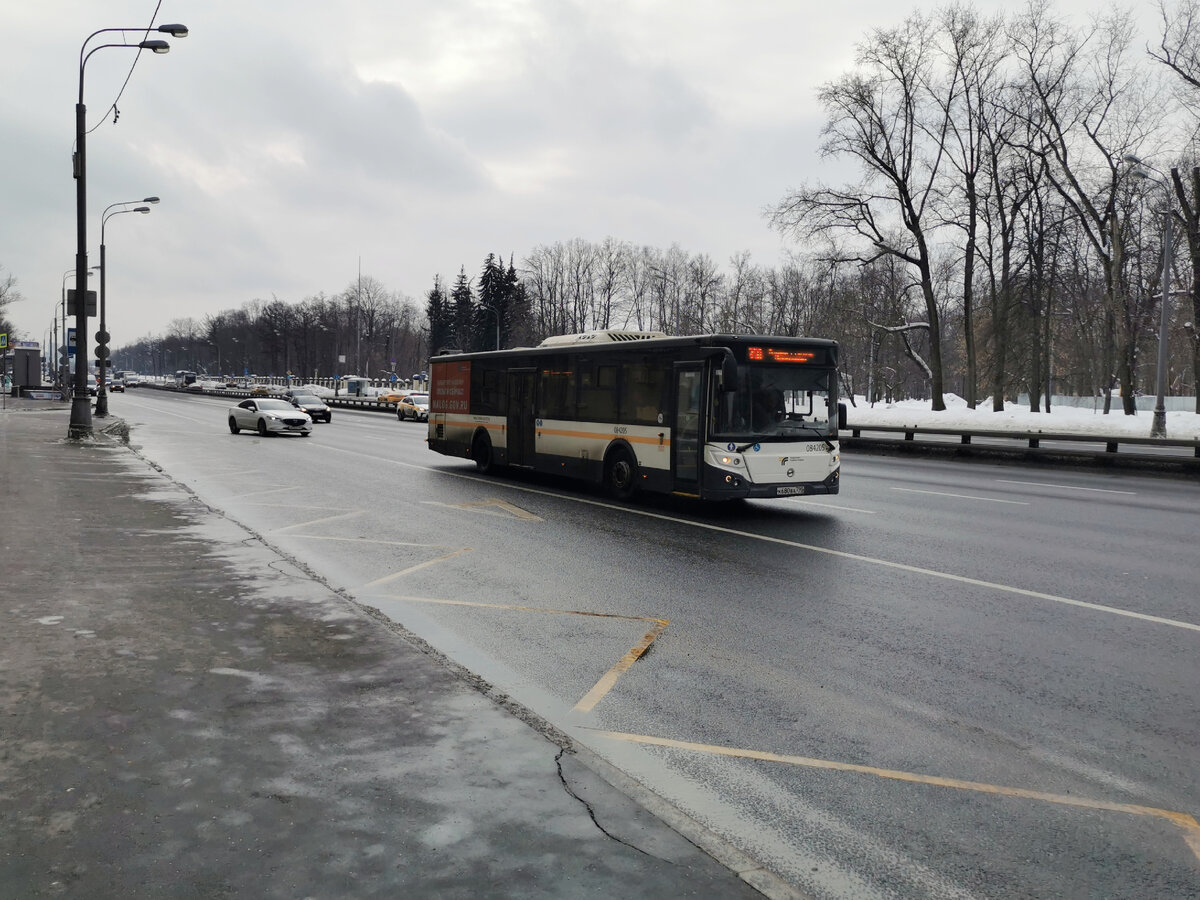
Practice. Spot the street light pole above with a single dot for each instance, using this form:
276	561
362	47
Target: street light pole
81	410
102	334
1158	424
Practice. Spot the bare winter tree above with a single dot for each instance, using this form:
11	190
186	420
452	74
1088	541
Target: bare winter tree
966	96
1179	50
8	294
880	115
1092	110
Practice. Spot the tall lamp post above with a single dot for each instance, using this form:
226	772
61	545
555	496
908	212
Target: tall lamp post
81	410
102	334
1158	425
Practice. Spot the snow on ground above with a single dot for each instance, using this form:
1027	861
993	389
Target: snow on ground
1061	419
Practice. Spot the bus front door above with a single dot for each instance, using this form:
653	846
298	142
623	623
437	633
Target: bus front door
519	435
685	435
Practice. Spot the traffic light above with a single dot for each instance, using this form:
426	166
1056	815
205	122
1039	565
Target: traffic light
101	348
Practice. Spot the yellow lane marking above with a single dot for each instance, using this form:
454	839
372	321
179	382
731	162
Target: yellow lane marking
481	506
609	680
357	512
429	562
293	506
1188	823
606	684
784	542
354	540
244	494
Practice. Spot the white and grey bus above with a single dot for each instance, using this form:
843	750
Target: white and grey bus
715	417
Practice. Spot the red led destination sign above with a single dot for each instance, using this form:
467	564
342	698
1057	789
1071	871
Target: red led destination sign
762	354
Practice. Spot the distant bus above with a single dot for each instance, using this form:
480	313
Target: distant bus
716	417
183	378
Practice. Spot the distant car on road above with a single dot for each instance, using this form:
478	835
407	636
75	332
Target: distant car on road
260	390
117	384
415	407
311	404
393	395
269	415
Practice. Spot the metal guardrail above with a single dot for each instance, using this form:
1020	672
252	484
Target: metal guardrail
1027	445
1182	453
369	404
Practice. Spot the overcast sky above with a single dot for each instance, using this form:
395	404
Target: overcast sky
289	141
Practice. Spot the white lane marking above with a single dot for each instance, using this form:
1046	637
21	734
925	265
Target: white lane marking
960	496
802	502
1067	487
842	554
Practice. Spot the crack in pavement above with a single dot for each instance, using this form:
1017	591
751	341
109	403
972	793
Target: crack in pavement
591	812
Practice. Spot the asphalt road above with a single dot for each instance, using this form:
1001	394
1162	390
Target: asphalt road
951	680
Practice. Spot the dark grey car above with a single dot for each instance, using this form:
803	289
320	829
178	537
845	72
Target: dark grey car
311	404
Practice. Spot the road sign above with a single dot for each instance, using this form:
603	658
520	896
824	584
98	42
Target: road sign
3	340
89	302
70	342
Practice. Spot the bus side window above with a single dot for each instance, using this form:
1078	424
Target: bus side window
598	393
643	393
556	391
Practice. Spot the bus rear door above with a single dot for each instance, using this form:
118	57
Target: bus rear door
519	437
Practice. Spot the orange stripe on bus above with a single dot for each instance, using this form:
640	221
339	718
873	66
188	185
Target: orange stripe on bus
591	435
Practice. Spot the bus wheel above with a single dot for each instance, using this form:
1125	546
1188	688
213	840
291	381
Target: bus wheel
620	476
481	452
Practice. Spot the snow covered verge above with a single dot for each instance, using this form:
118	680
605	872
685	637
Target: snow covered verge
1061	419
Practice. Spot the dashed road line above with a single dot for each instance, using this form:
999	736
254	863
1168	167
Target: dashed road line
961	496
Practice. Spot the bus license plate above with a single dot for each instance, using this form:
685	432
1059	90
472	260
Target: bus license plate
789	491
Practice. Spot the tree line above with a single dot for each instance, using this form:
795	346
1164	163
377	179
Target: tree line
1005	235
1006	174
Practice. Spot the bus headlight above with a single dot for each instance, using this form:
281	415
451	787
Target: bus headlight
731	460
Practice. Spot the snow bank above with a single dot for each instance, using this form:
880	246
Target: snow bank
1061	419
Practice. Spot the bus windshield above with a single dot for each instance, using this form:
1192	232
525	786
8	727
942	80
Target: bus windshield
775	402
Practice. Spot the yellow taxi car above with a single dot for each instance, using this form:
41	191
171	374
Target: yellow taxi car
415	406
393	396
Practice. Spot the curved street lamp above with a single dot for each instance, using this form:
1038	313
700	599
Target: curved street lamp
81	410
102	334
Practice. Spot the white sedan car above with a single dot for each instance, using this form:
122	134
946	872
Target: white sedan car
269	415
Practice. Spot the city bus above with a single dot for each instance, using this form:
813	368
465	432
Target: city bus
714	417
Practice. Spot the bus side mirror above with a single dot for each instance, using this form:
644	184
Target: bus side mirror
728	372
842	413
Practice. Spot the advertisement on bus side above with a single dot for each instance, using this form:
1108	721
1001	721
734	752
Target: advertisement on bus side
450	389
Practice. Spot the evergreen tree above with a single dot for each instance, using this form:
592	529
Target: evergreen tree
441	320
463	312
491	311
516	309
